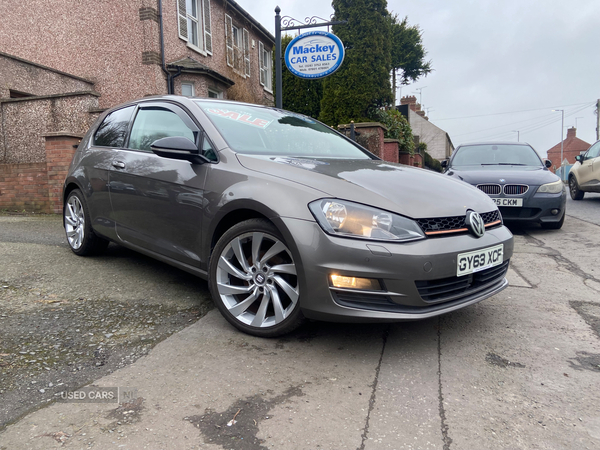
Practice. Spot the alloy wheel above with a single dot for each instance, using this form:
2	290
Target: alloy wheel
256	279
74	222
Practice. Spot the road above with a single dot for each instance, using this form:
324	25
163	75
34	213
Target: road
587	209
518	371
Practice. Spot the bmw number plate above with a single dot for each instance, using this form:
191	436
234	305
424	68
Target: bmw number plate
508	201
479	260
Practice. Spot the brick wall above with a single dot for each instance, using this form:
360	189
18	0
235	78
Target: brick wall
24	187
37	187
59	152
390	150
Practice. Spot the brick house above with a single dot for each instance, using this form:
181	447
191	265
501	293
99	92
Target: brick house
439	144
64	62
572	146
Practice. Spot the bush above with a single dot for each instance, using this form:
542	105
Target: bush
429	161
397	127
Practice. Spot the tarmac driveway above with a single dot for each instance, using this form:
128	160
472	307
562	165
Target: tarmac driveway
518	371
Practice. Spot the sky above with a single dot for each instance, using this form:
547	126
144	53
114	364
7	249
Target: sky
500	67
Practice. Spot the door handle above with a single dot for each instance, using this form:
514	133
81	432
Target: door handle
118	164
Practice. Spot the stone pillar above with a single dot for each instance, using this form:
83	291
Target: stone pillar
418	160
369	135
60	147
405	158
390	150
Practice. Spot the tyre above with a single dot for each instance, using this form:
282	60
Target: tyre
80	236
554	225
576	193
253	280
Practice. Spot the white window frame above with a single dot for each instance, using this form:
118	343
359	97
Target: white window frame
229	39
201	22
265	62
190	84
238	55
217	93
246	46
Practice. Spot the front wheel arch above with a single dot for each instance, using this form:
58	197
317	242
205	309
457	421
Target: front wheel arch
254	279
574	190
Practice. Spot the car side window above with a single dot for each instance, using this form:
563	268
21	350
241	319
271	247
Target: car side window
594	151
154	123
207	149
113	129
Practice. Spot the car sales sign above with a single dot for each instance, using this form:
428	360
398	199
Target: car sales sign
315	54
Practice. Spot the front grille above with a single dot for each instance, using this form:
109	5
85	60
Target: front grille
515	189
455	223
490	189
442	223
492	216
453	288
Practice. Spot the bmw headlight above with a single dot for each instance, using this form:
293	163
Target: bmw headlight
551	188
344	218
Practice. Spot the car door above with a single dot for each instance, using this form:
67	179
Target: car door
157	201
589	173
106	141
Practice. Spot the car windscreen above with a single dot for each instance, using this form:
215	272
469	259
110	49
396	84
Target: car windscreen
495	155
265	131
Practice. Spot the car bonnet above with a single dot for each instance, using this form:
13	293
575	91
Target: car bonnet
412	192
531	176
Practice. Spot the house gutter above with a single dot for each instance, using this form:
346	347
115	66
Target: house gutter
251	19
163	65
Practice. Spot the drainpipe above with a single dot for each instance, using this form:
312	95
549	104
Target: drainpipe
162	49
172	80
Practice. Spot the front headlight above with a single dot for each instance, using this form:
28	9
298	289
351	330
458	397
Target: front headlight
551	188
344	218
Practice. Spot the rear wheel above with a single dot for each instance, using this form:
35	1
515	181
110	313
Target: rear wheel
576	193
253	280
80	236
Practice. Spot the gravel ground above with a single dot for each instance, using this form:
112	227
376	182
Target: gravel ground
66	321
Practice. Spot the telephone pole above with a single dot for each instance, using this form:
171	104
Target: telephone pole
598	120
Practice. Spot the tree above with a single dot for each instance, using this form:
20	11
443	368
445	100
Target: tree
408	53
362	83
299	95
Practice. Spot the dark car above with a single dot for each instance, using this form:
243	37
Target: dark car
285	217
584	176
515	177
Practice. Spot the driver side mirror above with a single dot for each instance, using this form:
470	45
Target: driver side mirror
444	164
579	158
178	147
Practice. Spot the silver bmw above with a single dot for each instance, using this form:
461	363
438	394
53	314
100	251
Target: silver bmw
286	218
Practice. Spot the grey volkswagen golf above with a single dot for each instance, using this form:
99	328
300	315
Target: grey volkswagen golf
286	218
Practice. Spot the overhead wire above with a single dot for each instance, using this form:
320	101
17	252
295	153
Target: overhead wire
540	122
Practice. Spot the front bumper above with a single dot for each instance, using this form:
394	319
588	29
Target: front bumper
418	278
537	208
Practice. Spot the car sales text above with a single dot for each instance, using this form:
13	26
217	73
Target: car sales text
330	56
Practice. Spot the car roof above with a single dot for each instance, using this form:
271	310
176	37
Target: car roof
183	100
494	143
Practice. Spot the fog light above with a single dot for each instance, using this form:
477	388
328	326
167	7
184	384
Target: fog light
341	281
555	211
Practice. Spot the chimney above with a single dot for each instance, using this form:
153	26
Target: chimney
571	132
411	101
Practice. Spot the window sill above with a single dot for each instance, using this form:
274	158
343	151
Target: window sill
196	49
